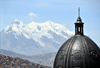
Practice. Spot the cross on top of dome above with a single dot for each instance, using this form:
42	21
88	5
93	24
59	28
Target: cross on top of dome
79	20
79	11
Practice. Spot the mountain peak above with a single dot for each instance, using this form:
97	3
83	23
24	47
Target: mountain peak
16	25
17	22
48	21
34	38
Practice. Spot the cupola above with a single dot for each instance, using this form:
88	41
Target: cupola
79	51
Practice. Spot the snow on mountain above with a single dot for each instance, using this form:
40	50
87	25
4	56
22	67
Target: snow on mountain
34	38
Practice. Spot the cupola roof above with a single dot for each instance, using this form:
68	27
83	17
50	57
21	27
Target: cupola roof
79	51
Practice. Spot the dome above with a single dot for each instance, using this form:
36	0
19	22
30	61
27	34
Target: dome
79	51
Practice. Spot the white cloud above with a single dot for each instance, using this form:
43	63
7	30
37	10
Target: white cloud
30	17
32	14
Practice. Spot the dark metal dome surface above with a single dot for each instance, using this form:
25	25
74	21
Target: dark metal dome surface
78	52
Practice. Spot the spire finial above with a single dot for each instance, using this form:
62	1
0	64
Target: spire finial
79	11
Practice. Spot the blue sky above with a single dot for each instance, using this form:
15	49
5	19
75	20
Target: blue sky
64	12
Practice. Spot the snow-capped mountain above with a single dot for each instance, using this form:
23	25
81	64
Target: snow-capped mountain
34	38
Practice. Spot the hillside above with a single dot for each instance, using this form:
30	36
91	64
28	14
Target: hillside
44	59
8	62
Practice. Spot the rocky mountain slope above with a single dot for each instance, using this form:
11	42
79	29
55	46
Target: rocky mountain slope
44	59
8	62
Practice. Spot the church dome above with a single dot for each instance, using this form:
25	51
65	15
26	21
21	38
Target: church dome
79	51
